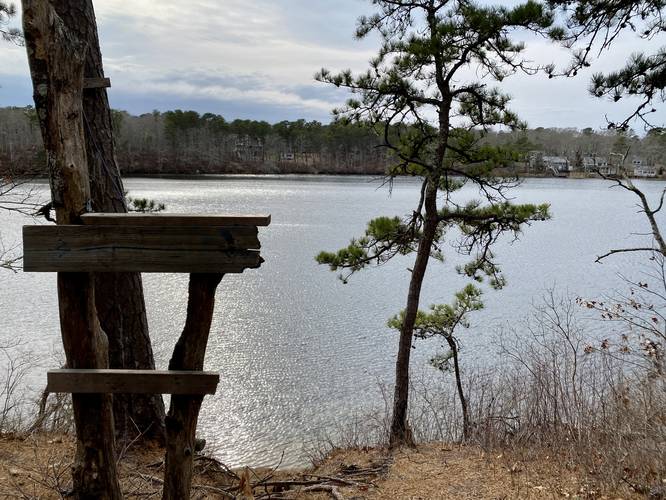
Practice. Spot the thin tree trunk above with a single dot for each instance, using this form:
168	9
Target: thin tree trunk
400	432
56	59
461	393
656	232
189	353
119	296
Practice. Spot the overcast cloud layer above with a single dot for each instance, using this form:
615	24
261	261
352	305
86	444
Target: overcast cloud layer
256	59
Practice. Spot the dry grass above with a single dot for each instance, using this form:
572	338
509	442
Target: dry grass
38	467
438	471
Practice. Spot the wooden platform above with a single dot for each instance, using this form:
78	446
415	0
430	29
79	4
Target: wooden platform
83	381
137	242
149	243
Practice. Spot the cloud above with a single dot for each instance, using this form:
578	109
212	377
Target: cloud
257	60
252	52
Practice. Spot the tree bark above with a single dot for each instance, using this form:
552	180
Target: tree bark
119	296
400	432
56	58
189	353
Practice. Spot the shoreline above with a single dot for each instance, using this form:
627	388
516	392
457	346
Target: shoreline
288	176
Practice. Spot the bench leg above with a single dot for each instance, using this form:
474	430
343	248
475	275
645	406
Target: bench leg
181	421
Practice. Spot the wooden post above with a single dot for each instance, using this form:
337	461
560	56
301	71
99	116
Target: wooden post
56	59
181	421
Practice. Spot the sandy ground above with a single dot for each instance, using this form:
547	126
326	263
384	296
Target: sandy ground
39	467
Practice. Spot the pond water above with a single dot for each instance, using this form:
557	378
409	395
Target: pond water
299	351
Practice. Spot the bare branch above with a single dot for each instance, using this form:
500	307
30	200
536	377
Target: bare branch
625	250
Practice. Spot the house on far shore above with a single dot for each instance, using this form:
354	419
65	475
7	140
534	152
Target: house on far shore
640	169
556	164
594	163
645	171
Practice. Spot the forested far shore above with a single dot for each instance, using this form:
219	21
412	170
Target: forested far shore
187	142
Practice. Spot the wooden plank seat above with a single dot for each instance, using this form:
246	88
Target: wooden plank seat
107	381
152	243
136	242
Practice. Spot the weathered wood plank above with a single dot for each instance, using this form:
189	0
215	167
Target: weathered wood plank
132	381
145	261
141	219
73	237
71	248
96	83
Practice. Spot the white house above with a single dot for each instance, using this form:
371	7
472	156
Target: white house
645	171
592	163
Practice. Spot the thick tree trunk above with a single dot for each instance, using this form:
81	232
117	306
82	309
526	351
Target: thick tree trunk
400	432
94	468
119	296
181	422
56	59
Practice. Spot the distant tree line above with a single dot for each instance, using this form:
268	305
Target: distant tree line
187	142
576	144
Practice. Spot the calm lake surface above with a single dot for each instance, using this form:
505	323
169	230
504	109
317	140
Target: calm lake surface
298	351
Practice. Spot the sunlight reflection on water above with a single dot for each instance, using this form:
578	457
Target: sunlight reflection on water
297	350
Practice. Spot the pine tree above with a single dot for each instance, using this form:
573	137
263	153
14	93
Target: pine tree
444	320
431	116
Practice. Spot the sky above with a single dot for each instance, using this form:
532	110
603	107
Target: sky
256	59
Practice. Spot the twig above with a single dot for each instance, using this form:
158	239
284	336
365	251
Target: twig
334	492
270	475
223	467
122	453
345	482
157	480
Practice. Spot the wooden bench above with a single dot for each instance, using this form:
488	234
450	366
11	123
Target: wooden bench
136	242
